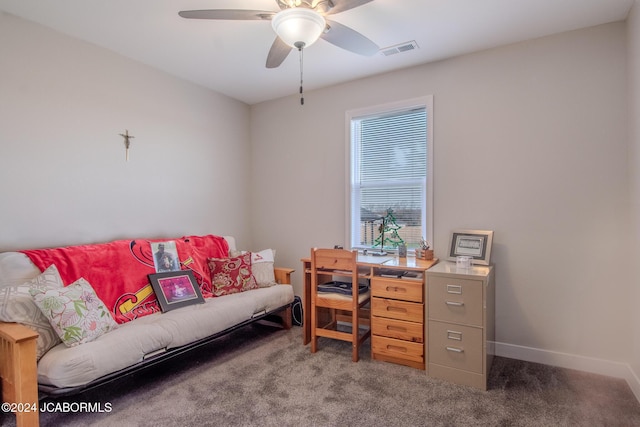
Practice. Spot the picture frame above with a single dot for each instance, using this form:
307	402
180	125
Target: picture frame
473	243
176	289
165	256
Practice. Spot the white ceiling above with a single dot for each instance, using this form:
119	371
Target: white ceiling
229	56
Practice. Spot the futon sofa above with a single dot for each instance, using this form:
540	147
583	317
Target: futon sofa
76	317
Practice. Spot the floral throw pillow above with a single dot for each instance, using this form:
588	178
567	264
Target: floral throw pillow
75	312
231	275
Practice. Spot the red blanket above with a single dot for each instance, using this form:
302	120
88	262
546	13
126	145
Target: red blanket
118	270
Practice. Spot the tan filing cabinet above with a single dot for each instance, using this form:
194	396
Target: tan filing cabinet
460	323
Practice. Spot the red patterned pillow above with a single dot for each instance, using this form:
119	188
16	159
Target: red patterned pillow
231	275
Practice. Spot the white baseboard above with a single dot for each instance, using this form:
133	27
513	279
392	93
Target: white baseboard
571	361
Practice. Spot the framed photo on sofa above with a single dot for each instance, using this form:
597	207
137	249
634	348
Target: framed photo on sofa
165	256
472	243
176	289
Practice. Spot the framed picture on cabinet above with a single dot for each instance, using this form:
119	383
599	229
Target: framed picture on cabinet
472	243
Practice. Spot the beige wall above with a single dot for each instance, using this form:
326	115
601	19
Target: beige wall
633	43
530	141
63	175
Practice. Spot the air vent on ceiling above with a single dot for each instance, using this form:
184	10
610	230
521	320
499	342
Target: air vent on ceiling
399	48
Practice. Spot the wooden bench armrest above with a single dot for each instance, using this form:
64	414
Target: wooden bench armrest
19	370
16	332
283	275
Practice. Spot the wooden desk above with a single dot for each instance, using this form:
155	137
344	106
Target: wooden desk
372	267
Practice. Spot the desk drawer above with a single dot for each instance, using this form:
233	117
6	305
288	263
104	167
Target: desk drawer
456	346
399	329
455	300
401	310
397	348
402	289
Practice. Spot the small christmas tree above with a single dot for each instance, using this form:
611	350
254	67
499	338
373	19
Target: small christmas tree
388	232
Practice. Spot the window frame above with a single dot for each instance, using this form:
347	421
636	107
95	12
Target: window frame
425	102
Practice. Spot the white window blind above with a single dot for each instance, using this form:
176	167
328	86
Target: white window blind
389	162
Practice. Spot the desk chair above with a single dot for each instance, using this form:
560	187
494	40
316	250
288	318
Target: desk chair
326	264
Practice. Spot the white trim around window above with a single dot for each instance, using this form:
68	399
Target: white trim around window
425	102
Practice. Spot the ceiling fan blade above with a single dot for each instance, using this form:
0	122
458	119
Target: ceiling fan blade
349	39
278	53
342	5
229	14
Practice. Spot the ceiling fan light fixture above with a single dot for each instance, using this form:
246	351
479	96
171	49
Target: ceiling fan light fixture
298	27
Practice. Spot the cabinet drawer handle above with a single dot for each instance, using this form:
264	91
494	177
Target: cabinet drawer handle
455	303
398	309
395	289
396	348
454	289
396	328
455	349
454	335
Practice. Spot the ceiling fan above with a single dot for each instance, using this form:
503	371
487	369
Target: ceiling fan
298	24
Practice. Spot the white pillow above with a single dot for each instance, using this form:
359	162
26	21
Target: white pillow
262	267
17	305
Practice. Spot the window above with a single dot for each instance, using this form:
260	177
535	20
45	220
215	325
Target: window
390	168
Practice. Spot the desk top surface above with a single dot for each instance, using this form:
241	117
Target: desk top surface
390	261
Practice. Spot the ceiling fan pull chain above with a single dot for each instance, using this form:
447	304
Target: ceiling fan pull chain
301	68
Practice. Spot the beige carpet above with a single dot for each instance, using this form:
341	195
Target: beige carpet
263	376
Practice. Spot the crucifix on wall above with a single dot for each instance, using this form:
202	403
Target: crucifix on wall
127	142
